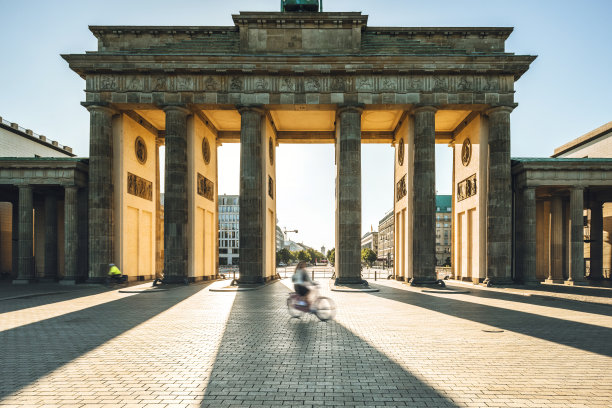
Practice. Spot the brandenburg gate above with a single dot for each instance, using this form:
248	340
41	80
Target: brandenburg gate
295	77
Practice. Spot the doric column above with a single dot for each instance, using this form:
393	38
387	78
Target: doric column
159	234
50	236
348	195
101	217
25	270
15	238
252	195
71	237
596	267
528	236
175	198
499	199
576	272
424	197
556	241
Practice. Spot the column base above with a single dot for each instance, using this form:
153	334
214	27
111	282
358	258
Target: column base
531	282
173	280
576	283
68	282
553	281
349	281
424	282
490	281
20	281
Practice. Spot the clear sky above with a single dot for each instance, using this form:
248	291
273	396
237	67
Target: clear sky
566	93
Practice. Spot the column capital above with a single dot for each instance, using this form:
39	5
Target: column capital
499	109
178	108
423	108
348	107
100	106
256	107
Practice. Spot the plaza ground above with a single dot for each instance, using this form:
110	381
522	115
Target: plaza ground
402	346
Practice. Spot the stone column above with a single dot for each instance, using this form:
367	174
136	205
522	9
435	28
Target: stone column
50	236
15	238
71	237
528	236
596	268
175	198
252	195
101	217
576	272
159	234
424	197
556	241
499	200
348	195
25	270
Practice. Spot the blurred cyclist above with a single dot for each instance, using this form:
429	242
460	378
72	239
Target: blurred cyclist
302	281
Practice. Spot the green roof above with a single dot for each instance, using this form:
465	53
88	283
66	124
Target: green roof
443	202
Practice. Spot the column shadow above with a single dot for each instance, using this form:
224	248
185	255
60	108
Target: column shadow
542	300
583	336
18	297
267	358
32	351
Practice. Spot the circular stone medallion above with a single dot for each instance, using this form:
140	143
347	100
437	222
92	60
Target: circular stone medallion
271	150
400	152
466	152
206	151
140	148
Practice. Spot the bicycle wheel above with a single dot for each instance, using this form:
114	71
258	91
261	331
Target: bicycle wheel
292	307
325	308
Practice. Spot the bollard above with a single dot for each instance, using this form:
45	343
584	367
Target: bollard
313	274
374	274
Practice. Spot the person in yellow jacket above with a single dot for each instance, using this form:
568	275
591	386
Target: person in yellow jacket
115	274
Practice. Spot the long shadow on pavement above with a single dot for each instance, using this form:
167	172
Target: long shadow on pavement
541	300
18	297
582	336
267	358
32	351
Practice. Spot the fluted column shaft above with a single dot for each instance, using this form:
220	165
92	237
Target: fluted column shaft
499	200
556	239
527	242
175	199
596	266
50	236
159	237
576	272
348	195
424	197
101	217
25	270
252	196
71	236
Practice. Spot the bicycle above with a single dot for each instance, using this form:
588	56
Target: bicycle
322	306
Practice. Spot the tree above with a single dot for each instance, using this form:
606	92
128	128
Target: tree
368	256
331	256
283	256
303	256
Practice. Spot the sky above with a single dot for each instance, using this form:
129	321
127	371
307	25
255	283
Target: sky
566	92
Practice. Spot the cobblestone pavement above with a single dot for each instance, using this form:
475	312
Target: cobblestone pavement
401	346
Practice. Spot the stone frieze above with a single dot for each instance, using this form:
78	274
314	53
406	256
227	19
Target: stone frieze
139	187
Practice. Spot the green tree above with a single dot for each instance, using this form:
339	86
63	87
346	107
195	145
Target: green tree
284	256
368	256
331	256
303	256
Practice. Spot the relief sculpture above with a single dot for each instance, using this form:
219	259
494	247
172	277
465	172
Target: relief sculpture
466	188
401	189
206	188
139	187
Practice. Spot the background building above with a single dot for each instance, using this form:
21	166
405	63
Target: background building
229	230
443	229
594	144
18	142
370	240
386	245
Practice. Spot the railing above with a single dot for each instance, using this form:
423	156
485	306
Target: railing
29	132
